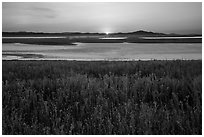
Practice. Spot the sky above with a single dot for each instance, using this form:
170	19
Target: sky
166	17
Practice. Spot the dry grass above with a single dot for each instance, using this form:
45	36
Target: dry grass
70	97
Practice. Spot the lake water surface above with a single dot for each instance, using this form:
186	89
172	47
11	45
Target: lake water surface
103	51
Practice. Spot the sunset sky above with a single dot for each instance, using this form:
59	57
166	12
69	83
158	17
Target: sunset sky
181	18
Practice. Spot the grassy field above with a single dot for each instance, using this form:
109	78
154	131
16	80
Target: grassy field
72	97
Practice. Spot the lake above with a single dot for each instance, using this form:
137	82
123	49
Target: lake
102	51
195	37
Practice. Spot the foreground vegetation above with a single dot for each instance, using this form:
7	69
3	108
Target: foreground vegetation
71	97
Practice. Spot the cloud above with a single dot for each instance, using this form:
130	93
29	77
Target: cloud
43	11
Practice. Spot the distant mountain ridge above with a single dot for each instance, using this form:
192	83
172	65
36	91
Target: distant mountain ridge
140	33
69	38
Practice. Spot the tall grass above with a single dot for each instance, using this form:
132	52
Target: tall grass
71	97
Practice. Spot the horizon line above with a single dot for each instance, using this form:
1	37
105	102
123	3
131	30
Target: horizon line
100	32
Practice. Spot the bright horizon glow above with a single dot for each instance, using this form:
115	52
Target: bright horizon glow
107	32
114	38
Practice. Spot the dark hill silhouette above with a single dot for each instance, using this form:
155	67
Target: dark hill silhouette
137	33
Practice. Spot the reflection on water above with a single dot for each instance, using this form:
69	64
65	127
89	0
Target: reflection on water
103	51
171	37
114	38
33	37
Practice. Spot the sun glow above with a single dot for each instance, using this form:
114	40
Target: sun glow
107	32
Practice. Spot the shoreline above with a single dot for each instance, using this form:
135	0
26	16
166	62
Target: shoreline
98	60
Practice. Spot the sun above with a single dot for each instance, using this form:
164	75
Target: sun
107	32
